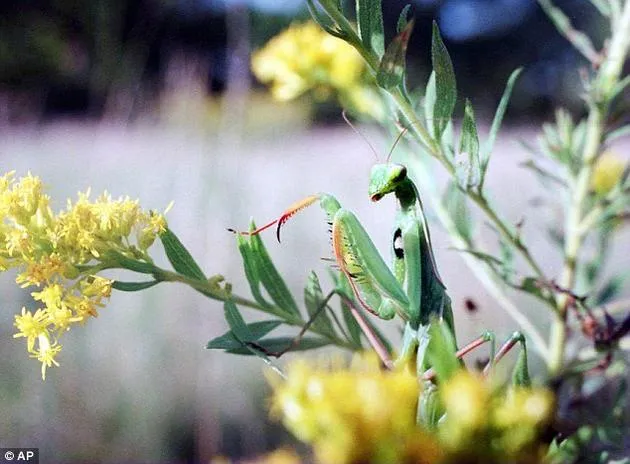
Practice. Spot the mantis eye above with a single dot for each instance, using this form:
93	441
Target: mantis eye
402	174
376	197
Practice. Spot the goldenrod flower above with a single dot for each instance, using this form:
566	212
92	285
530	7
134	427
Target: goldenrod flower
607	173
31	326
360	414
493	425
304	58
51	251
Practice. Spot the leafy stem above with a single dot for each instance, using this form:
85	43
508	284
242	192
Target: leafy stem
601	93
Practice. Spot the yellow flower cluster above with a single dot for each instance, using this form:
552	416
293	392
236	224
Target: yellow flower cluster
305	58
61	253
361	414
365	414
607	173
486	425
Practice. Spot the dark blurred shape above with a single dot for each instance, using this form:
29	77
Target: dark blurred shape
470	305
110	57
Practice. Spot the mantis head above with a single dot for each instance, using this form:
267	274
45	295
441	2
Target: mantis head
386	178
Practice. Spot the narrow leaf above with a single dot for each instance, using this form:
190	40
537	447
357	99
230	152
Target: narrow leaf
546	177
313	300
609	290
324	20
487	258
403	19
370	22
391	70
469	147
133	286
251	270
280	343
179	256
429	103
520	376
496	122
532	286
228	340
455	202
237	323
271	278
445	85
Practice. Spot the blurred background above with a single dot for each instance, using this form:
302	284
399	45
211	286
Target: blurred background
154	99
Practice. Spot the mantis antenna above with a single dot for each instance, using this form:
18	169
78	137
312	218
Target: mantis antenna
391	150
345	118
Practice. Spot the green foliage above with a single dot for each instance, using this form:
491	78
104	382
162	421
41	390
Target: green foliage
370	21
179	257
445	86
391	71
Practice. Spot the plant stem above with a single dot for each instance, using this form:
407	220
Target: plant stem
603	86
211	291
436	151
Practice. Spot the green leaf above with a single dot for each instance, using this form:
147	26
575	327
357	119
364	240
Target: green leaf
133	286
237	323
270	277
520	375
496	122
487	258
228	340
391	70
403	19
370	22
313	300
179	256
532	286
445	85
609	290
545	177
429	103
280	343
251	270
469	147
115	257
455	202
325	21
441	351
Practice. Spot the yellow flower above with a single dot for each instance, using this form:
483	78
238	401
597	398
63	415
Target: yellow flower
519	415
464	397
303	58
360	414
46	353
493	425
31	326
607	173
50	251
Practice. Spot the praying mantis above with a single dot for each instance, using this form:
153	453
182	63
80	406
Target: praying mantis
412	289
